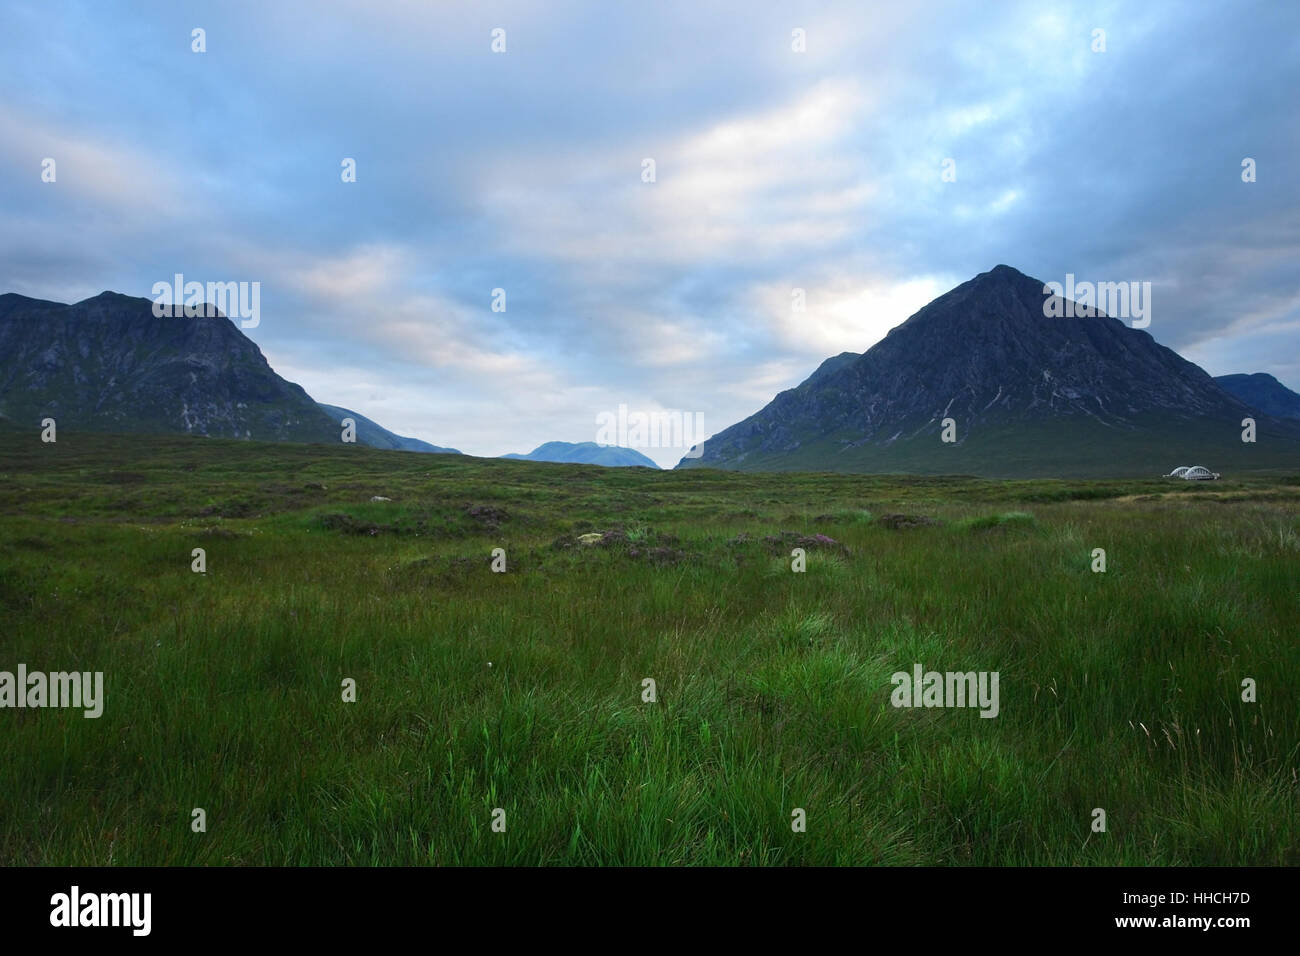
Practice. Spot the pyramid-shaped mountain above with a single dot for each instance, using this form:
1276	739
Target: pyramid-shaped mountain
1028	395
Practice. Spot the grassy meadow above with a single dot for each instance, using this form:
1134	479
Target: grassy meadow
523	690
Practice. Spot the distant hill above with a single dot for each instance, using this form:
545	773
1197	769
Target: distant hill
1263	392
108	364
587	453
1030	395
376	436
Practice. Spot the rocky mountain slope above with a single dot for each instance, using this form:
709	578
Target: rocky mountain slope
109	364
1027	395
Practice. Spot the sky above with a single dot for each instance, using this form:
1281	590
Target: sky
904	149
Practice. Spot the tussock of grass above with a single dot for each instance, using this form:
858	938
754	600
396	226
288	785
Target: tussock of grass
1007	519
855	516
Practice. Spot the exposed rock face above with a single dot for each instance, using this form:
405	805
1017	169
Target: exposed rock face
985	355
108	364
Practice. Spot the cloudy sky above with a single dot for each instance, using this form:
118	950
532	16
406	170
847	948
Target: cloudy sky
523	170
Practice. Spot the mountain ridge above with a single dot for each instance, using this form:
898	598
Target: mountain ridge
375	435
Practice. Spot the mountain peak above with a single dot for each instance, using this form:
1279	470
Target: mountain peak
1008	276
16	300
1002	298
1002	269
109	297
1263	378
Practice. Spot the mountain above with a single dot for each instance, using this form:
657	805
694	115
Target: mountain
1263	392
376	436
109	364
1029	395
587	453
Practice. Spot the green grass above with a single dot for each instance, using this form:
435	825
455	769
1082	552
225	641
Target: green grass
1028	450
523	690
1006	520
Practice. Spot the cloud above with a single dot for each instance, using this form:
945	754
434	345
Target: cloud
763	185
522	171
845	313
126	178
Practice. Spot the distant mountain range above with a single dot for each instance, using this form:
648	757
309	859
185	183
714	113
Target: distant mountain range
588	453
1263	392
109	364
1027	395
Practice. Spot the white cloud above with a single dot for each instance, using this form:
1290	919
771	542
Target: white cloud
760	185
122	177
844	314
